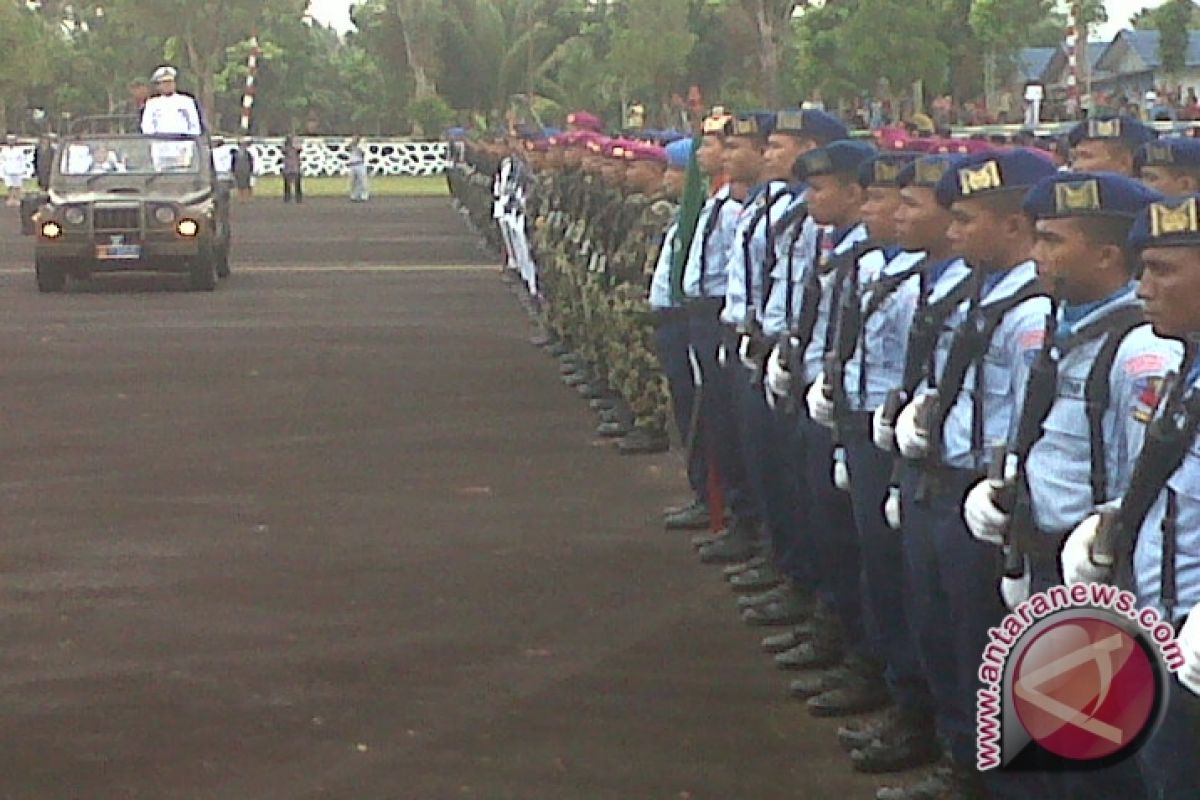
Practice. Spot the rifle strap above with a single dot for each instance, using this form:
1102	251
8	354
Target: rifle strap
970	344
919	357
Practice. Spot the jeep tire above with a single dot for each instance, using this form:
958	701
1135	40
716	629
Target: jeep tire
202	273
222	255
51	277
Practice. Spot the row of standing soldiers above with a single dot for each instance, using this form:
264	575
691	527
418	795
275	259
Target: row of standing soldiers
931	391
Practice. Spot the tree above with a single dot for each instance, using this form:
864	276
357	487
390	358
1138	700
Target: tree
772	23
1174	19
648	53
28	47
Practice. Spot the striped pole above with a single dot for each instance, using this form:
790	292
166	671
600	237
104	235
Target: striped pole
251	75
1073	63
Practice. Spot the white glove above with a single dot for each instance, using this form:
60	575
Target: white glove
986	522
883	433
722	356
891	508
841	470
1077	564
1189	643
772	399
779	380
744	353
820	408
913	444
1014	591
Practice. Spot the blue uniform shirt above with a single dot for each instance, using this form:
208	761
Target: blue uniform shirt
660	284
1147	557
1010	353
799	246
715	249
752	230
884	337
814	354
1059	464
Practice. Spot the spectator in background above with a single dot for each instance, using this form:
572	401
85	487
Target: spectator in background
43	159
12	169
292	170
357	162
243	169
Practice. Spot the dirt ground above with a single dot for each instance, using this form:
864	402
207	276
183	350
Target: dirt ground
336	530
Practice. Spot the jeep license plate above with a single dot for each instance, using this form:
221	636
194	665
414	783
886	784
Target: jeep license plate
117	252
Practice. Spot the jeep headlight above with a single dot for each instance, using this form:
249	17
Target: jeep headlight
165	215
188	227
51	230
74	215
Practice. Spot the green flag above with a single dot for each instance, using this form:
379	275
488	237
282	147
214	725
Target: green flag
694	192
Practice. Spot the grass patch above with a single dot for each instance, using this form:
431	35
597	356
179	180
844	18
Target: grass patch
381	186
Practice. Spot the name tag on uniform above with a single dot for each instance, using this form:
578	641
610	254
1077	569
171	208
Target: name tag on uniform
1071	388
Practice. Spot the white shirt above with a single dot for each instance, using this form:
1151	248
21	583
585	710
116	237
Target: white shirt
12	160
176	114
223	159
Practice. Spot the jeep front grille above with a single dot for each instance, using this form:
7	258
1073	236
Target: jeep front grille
117	219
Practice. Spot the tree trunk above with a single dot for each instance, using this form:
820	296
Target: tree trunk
423	85
768	52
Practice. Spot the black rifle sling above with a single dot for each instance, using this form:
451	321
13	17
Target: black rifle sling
1097	394
1169	436
710	227
927	325
970	344
769	199
797	231
884	288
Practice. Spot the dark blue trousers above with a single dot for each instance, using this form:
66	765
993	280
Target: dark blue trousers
1170	759
884	592
769	451
717	416
829	521
671	341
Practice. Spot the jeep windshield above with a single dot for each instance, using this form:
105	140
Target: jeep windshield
145	156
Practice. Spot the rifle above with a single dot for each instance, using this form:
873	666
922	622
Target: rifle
1168	438
1005	495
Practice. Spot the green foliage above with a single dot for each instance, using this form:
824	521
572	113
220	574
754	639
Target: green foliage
1173	20
429	115
649	53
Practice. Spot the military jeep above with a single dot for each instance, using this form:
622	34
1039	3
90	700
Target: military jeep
121	202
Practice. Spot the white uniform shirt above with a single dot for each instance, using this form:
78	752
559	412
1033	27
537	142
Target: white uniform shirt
173	114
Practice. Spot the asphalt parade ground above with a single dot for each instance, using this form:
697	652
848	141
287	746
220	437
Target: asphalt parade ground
336	530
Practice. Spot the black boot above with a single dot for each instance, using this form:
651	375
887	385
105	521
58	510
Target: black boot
643	441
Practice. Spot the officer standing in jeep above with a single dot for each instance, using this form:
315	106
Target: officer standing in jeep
170	111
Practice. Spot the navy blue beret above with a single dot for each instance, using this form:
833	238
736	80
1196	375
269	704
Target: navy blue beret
836	158
1170	222
1088	194
1114	127
926	171
812	123
758	124
984	174
885	169
1174	152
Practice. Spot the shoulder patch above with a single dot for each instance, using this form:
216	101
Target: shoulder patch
1147	392
1145	364
1031	339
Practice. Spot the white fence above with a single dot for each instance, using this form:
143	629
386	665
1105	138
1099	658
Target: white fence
328	156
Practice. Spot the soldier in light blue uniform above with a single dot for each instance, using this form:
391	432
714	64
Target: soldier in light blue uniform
715	343
921	225
748	142
977	402
1159	514
835	200
671	332
1095	386
1170	166
874	354
772	437
1108	143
